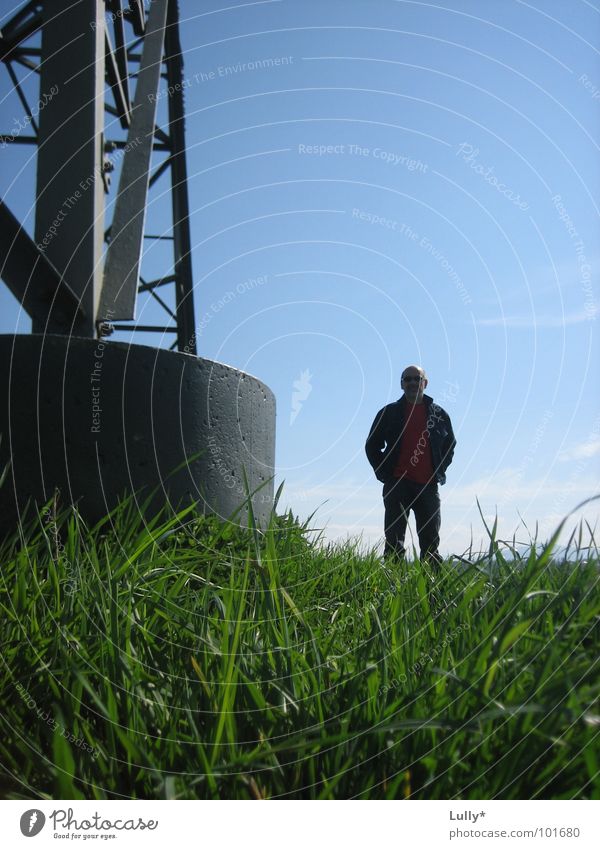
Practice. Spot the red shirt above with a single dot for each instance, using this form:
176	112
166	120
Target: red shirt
414	459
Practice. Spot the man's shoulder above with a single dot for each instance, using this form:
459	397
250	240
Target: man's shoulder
435	408
388	414
431	402
392	407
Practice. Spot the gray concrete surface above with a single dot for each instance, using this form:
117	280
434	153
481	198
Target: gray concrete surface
101	419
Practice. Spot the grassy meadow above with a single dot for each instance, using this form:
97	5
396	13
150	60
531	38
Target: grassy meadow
189	658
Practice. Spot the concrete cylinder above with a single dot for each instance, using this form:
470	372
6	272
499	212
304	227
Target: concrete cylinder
99	420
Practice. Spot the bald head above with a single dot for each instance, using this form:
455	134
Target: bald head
414	369
413	382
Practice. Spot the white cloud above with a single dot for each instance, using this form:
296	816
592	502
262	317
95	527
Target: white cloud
537	321
583	451
525	507
541	281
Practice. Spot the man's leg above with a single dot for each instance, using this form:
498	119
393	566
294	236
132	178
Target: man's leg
428	519
396	518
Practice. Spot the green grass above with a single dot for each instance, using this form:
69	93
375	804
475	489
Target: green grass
189	658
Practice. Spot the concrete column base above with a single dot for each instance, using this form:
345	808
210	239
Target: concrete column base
99	420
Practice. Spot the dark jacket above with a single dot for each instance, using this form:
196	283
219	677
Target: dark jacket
385	437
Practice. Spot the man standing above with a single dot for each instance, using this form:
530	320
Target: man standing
410	446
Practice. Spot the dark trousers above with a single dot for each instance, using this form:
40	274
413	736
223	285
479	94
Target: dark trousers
400	496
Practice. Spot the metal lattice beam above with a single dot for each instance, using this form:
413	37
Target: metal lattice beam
184	286
69	211
73	152
32	278
123	258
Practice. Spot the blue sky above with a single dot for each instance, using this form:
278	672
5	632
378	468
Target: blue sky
375	183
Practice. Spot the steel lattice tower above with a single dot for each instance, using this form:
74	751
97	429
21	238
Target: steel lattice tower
98	419
65	282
